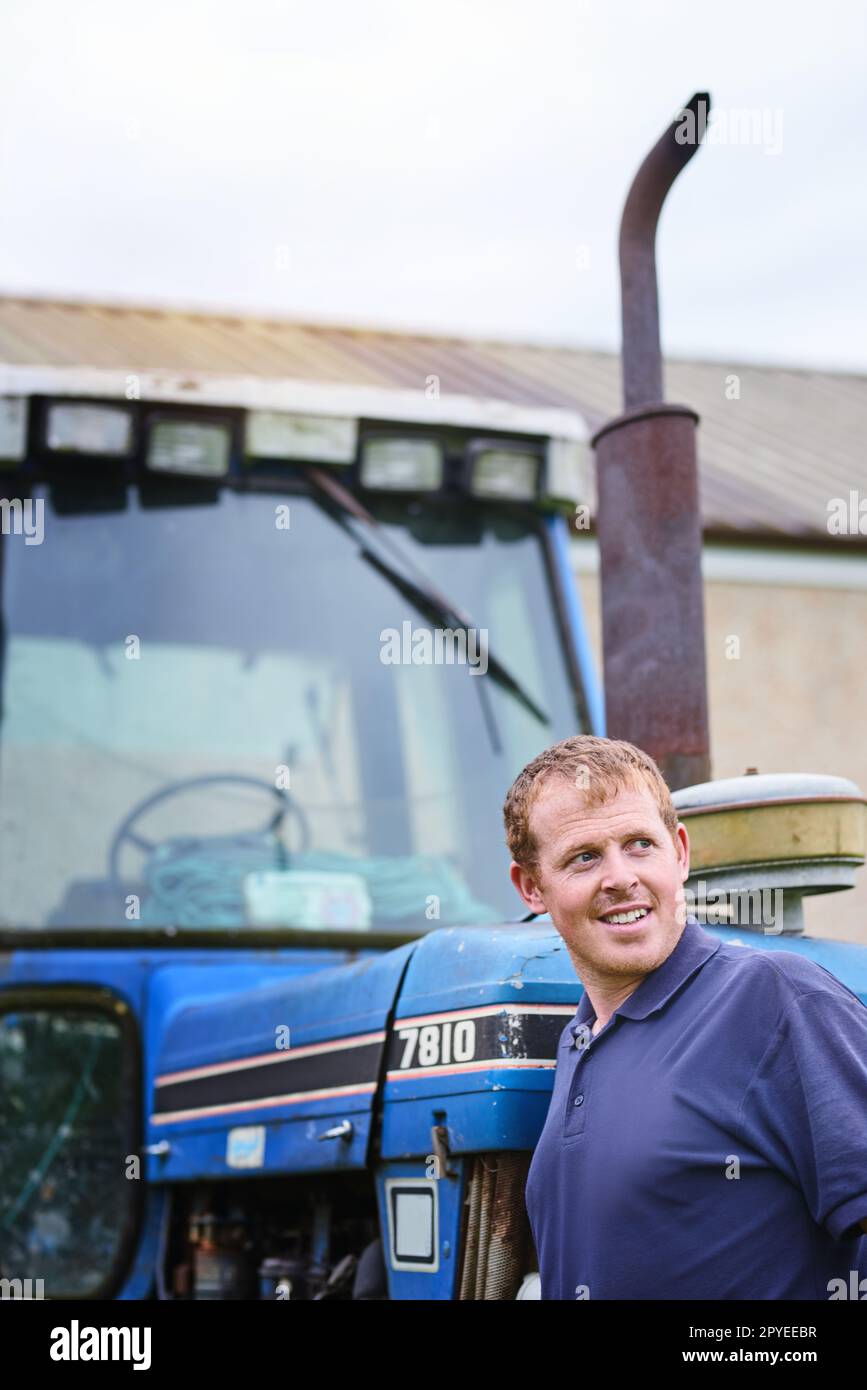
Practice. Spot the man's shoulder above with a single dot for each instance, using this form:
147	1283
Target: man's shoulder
776	976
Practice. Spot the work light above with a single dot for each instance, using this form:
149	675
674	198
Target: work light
498	471
272	434
199	447
402	464
81	428
13	428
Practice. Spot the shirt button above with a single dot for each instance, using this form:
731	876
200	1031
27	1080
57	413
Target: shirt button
579	1100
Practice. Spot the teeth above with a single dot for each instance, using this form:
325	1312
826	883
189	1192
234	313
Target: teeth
622	918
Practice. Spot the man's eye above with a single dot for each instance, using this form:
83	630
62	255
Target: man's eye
584	852
642	841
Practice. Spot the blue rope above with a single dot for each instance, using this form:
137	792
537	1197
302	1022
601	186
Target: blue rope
199	882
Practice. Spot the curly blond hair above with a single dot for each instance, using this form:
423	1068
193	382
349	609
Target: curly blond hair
599	767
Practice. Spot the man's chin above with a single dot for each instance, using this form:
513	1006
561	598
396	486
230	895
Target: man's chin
628	948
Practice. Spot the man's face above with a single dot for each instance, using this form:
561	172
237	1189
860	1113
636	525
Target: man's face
596	861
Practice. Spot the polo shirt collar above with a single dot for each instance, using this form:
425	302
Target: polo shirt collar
694	947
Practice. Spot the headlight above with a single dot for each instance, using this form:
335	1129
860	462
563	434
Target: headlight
402	465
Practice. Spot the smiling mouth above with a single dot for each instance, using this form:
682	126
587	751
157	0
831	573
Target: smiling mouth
624	919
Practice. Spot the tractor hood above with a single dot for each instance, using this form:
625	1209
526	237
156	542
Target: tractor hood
251	1079
256	1079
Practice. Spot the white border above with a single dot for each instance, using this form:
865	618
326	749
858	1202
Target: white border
293	397
414	1266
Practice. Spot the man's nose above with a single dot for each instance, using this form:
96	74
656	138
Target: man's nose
618	872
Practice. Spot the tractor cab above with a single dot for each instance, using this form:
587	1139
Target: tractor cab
267	672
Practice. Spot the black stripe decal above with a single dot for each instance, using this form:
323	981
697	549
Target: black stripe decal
444	1044
346	1066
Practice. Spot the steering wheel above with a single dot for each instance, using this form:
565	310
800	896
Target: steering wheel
125	829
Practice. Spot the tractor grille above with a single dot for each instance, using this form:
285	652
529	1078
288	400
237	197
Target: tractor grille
498	1243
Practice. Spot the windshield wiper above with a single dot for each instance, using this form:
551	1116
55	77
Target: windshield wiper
378	549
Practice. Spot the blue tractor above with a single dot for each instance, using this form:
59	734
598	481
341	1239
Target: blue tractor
266	677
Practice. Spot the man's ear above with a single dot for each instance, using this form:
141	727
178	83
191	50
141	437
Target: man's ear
682	847
527	886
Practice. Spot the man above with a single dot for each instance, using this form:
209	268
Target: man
707	1131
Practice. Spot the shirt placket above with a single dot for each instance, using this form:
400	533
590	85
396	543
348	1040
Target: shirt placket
578	1095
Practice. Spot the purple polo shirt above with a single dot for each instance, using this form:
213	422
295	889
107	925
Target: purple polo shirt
710	1142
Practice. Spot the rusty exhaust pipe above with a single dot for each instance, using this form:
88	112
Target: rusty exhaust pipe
649	519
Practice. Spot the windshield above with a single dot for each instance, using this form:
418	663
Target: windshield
223	714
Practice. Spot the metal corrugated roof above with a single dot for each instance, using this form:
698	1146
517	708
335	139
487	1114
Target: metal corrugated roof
770	459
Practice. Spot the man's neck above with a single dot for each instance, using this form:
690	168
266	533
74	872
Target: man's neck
606	1000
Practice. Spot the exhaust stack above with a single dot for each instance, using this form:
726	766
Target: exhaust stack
649	519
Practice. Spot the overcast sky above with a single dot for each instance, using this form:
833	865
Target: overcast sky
441	165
